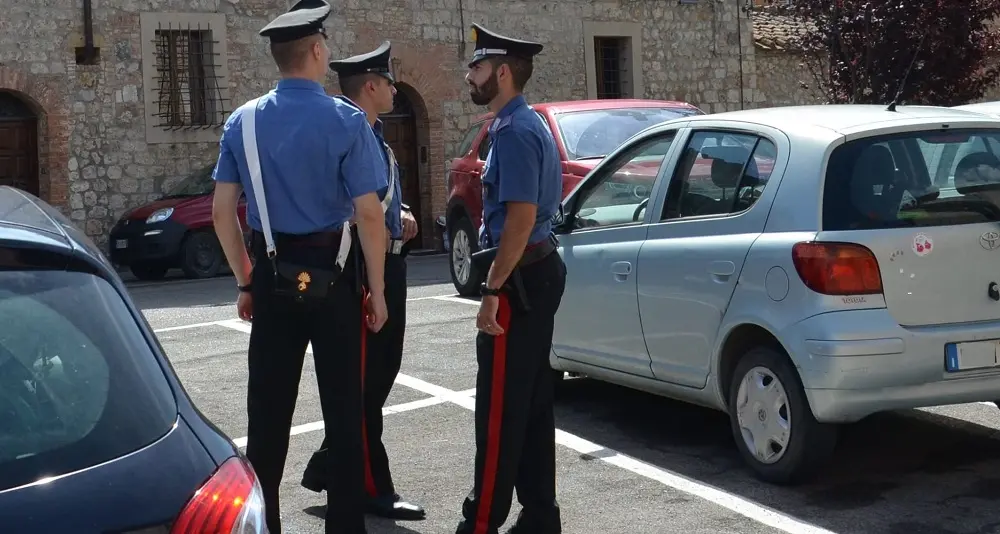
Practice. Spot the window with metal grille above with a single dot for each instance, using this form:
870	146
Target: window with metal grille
188	91
612	68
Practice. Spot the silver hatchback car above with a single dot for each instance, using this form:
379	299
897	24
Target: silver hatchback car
796	267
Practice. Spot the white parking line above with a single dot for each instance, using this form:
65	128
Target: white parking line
187	326
388	410
456	298
735	503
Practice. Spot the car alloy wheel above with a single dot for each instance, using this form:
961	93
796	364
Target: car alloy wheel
461	256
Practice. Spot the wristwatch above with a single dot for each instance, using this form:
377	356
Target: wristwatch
487	292
246	288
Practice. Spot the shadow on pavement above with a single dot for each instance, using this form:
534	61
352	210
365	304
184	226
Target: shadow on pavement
381	525
909	472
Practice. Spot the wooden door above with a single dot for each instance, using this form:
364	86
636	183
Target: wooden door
19	154
400	131
18	144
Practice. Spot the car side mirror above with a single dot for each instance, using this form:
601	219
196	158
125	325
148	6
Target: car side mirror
559	220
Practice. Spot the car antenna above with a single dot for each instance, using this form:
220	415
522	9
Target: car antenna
902	83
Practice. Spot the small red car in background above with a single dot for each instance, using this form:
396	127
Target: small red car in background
174	231
585	132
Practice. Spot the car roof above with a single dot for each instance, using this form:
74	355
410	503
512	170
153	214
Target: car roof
840	118
566	106
981	107
26	221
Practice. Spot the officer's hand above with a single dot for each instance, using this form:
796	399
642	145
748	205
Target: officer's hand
409	226
244	306
377	314
486	320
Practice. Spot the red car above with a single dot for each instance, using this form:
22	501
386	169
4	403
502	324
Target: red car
585	132
174	231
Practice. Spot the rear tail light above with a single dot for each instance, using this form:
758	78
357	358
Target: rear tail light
231	502
837	268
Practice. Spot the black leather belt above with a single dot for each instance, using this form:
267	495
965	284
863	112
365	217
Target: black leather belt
538	251
329	239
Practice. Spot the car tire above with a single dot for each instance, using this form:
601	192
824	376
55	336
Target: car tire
201	255
149	271
464	244
781	409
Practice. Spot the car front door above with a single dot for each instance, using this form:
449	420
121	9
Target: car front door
598	320
716	206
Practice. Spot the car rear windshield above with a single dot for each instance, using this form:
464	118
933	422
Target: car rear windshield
595	134
79	384
926	178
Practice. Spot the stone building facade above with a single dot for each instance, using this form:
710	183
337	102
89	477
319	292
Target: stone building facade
92	133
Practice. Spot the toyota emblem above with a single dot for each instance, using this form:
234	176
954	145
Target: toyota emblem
990	240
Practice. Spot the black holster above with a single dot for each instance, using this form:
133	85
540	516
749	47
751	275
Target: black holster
304	283
296	279
516	294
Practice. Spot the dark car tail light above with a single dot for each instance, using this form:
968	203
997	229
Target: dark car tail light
230	502
837	268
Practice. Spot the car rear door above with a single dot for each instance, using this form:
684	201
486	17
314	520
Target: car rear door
927	204
716	206
598	320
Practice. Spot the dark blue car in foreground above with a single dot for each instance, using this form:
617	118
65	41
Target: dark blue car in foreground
97	435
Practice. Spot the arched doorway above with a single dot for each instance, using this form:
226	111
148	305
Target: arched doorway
18	144
400	131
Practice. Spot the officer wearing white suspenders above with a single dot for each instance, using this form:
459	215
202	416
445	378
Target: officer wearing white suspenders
307	163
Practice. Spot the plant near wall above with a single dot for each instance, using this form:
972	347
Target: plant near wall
860	50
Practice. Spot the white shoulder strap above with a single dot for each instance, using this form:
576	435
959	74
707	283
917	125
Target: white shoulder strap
249	117
253	164
387	201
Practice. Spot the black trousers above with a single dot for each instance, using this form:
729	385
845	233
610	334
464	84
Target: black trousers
282	328
515	426
383	356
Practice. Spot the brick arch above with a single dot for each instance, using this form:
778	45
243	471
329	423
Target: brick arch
48	101
422	125
428	83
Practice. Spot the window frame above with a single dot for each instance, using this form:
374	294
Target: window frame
717	129
623	154
149	23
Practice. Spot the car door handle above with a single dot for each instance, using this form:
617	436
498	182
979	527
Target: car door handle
621	270
722	269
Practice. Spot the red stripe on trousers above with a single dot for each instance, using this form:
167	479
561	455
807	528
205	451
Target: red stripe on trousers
369	478
495	419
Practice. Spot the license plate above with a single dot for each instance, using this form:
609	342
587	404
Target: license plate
121	243
973	355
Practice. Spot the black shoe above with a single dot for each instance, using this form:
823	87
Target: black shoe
313	482
394	507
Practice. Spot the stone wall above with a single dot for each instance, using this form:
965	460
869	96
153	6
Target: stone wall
785	80
96	162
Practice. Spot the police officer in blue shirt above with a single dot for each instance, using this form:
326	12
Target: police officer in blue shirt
366	82
522	188
307	163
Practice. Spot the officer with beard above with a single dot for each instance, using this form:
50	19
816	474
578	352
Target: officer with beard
522	188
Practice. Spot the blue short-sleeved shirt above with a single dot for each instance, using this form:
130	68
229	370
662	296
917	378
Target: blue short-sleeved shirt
316	154
523	165
393	215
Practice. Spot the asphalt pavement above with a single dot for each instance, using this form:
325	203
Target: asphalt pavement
628	462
